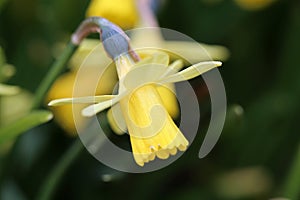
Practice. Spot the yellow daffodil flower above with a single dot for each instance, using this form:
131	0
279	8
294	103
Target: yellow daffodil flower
121	12
254	4
195	51
97	60
139	108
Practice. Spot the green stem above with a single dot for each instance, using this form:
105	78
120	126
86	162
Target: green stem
0	112
48	188
67	159
291	188
58	66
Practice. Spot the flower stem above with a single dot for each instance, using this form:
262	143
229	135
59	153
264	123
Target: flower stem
292	184
58	66
90	25
53	179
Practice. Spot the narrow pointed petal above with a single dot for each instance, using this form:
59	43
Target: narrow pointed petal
84	100
196	52
174	67
191	72
96	108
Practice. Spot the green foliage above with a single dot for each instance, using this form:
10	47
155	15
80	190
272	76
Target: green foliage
2	2
10	132
260	137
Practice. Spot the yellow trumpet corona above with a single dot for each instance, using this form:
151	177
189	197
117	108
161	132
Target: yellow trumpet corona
160	141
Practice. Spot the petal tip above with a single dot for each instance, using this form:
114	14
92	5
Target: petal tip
51	103
87	112
58	102
218	63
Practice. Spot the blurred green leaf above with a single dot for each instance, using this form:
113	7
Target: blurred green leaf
2	56
51	182
14	107
6	70
289	68
262	75
11	190
2	2
291	187
13	130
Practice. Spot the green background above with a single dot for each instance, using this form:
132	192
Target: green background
261	75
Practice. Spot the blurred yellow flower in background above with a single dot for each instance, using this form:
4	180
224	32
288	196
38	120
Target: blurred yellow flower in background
63	86
121	12
254	4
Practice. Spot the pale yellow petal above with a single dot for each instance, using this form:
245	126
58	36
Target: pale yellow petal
145	74
82	100
174	67
195	52
64	87
96	108
191	72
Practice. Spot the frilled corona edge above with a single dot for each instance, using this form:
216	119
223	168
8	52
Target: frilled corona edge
152	130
